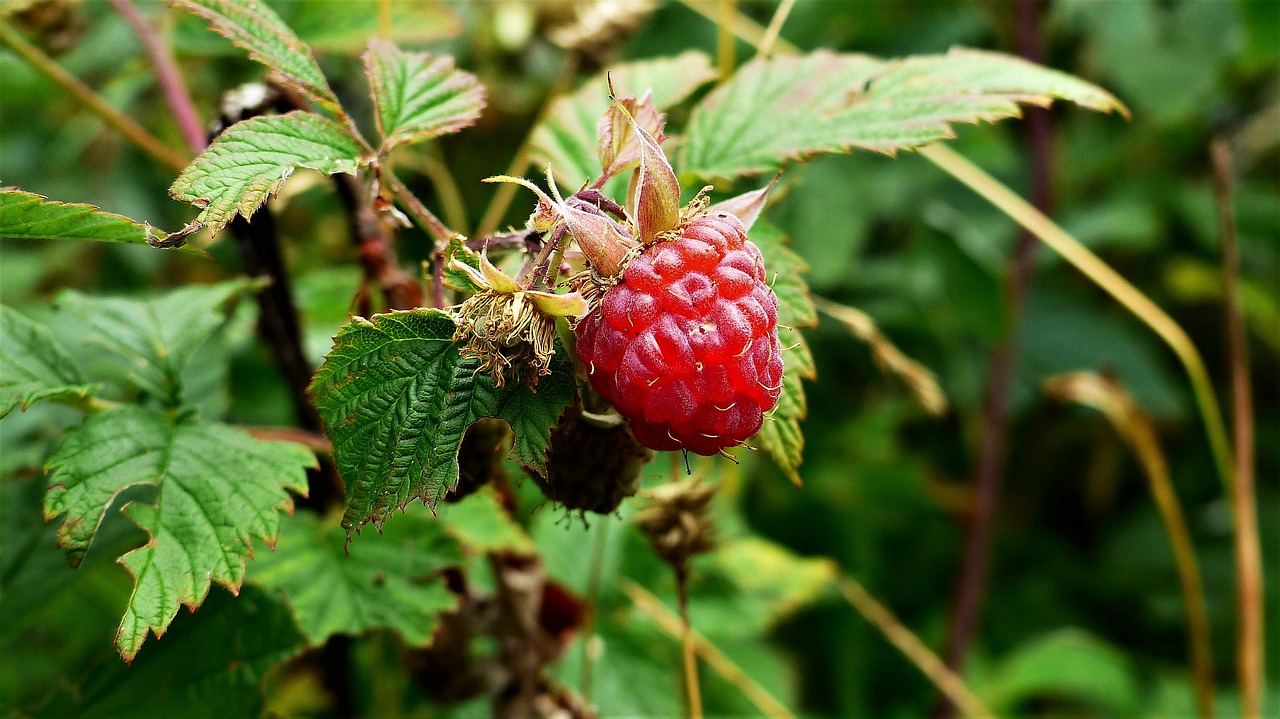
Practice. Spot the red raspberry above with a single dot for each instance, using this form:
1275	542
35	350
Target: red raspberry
685	346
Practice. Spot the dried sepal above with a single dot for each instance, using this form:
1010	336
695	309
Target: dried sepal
747	206
603	241
676	521
510	330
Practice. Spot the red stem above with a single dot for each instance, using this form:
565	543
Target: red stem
992	454
166	69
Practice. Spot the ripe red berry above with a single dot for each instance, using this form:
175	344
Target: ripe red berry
685	346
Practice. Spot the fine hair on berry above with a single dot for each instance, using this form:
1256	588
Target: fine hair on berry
685	344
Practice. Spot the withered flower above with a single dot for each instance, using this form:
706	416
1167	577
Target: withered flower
510	329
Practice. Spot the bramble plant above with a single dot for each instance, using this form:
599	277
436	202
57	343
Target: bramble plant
647	306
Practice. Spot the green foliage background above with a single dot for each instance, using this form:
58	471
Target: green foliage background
1083	612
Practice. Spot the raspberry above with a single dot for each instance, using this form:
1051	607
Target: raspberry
685	346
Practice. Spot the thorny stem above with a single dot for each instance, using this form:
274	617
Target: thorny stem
992	453
669	622
373	246
167	75
947	681
281	329
132	131
1130	297
446	186
1249	632
418	211
692	691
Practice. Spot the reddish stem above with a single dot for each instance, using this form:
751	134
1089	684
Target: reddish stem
971	585
167	75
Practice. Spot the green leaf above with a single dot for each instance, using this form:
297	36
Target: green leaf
154	340
417	96
781	436
1065	664
251	25
481	523
252	159
27	216
397	398
33	366
389	581
763	117
750	584
566	139
215	489
210	667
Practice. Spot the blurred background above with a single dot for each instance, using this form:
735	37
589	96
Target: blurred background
1082	613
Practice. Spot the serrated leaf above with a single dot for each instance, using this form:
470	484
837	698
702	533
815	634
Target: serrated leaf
28	216
397	397
781	436
566	139
153	340
764	117
211	666
389	581
215	489
252	25
33	366
251	161
417	96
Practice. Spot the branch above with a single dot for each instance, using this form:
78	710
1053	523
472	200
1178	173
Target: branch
993	449
947	681
377	255
132	131
669	622
167	75
1250	634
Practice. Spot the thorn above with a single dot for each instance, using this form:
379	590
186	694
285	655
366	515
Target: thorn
709	436
767	388
774	280
653	381
725	409
687	469
746	349
593	367
788	349
697	365
749	447
728	456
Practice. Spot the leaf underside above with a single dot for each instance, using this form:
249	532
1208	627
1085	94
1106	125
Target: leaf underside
251	161
33	366
397	398
417	96
792	108
215	488
781	436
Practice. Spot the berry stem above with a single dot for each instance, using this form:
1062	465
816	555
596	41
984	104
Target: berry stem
692	690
